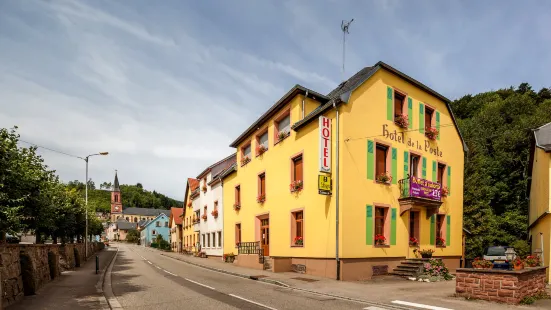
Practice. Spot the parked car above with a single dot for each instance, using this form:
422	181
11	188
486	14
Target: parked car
496	254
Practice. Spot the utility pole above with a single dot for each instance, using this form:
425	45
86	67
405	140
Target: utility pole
344	27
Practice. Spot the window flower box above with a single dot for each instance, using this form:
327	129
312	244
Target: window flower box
384	177
444	191
189	204
402	121
214	213
236	206
261	149
440	241
299	241
261	198
413	241
380	239
282	135
296	186
204	217
431	133
245	160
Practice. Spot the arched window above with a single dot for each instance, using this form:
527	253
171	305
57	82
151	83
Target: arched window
127	218
116	198
154	232
135	220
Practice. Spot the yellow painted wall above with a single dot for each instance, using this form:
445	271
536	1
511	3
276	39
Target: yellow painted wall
540	200
188	229
363	119
319	211
544	227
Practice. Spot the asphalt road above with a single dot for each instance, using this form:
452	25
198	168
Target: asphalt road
143	279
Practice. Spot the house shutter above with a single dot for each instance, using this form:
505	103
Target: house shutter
394	166
432	230
370	159
448	230
405	185
449	181
389	101
434	174
410	113
369	225
421	118
438	124
424	168
298	169
393	226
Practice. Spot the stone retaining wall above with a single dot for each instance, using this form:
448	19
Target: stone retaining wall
500	285
25	268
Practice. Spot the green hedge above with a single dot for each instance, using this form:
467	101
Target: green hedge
154	245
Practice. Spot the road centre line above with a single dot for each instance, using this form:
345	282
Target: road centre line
204	285
252	302
170	273
412	304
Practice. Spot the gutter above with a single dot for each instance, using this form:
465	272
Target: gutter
546	213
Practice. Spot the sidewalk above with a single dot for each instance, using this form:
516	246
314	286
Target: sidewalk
382	289
74	289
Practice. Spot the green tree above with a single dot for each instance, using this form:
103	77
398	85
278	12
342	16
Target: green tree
133	236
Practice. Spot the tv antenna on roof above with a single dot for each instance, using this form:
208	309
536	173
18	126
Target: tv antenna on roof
344	27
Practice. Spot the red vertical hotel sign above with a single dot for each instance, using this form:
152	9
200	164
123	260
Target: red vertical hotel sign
325	144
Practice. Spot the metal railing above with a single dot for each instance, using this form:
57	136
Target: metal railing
404	185
251	248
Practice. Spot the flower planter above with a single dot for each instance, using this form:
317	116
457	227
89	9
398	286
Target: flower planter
426	255
518	267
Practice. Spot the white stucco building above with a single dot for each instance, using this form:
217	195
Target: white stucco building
208	207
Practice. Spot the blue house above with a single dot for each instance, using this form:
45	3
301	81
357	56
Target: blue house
153	228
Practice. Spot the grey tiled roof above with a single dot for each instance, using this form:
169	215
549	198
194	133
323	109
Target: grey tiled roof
144	211
126	225
543	137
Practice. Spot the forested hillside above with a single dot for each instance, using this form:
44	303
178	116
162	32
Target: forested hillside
132	196
497	127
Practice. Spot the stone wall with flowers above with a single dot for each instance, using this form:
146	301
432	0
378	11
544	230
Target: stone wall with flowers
500	285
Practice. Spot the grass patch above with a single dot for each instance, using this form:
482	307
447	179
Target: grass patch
528	300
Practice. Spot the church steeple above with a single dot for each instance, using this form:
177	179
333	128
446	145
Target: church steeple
116	199
116	187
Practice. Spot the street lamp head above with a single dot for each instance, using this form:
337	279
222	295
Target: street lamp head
103	153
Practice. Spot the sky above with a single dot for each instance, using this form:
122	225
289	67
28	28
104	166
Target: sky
166	86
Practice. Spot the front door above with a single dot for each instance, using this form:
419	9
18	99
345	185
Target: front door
265	236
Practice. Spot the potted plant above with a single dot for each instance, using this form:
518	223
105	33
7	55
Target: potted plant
299	241
236	206
380	239
384	177
204	188
532	261
296	186
401	120
282	135
440	241
479	263
518	264
229	257
214	213
413	241
426	253
260	149
444	191
245	160
204	217
261	198
431	133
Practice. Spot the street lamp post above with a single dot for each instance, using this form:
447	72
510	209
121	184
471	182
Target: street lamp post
86	199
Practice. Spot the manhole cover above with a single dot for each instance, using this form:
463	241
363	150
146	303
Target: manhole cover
304	279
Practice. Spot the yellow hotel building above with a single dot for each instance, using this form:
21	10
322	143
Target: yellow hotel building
539	187
337	185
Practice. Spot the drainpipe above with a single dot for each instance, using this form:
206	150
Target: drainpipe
337	194
304	99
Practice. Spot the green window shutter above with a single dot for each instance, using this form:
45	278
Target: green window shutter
410	113
421	118
393	226
394	166
424	170
432	230
448	230
369	225
405	189
438	124
434	178
370	160
389	104
449	181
